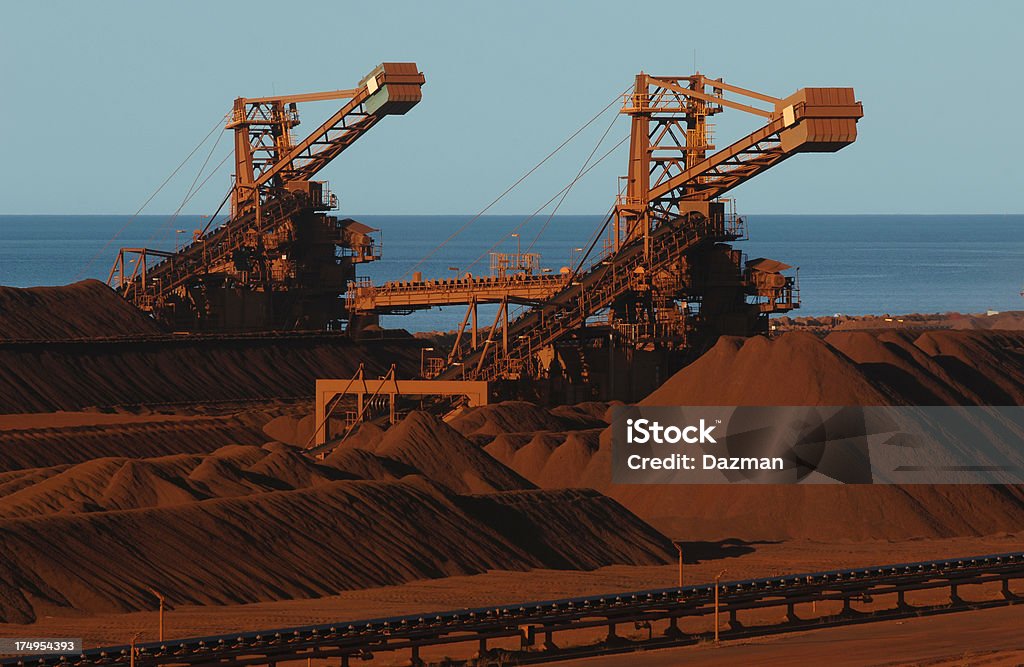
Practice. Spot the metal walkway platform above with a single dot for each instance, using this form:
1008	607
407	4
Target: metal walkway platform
401	297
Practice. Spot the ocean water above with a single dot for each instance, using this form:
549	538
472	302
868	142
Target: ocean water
852	264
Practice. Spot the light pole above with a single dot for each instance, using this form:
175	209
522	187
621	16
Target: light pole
131	656
718	579
423	358
519	254
161	598
679	547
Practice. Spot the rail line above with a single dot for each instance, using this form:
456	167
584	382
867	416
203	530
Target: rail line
535	622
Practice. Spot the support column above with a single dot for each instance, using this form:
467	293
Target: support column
527	636
415	660
613	637
611	396
791	613
1007	593
504	327
901	600
549	642
673	628
321	418
954	595
734	621
472	307
482	651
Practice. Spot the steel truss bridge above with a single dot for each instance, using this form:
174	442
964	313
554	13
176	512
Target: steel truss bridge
536	624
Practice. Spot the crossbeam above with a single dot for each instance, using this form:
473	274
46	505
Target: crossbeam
327	390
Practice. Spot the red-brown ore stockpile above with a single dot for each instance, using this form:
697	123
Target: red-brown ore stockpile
124	460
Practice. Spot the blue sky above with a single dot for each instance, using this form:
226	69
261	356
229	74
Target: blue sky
101	100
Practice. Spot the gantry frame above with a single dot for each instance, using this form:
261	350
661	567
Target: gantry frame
671	208
272	184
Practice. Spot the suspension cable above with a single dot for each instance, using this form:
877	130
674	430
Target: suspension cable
215	213
205	180
565	194
593	241
328	411
391	375
545	204
192	189
167	180
522	178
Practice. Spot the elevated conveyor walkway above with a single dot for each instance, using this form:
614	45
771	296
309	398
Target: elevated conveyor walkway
584	296
405	296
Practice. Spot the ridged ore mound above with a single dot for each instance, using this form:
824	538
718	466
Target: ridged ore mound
34	447
442	455
186	369
794	369
524	417
310	542
846	368
86	309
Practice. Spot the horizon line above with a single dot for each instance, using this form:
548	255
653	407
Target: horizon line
442	215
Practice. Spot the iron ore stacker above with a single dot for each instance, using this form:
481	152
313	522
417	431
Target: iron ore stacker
660	282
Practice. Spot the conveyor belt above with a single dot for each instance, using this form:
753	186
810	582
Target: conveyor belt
400	297
586	295
362	637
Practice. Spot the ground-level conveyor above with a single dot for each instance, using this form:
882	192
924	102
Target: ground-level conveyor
536	623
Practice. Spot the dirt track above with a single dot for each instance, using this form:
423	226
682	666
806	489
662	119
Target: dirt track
989	637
